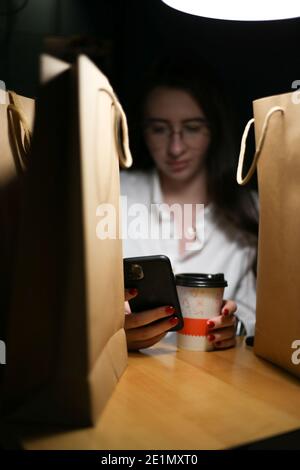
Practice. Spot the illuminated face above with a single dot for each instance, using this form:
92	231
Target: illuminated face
176	132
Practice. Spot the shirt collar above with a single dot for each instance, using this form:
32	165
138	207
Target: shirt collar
157	198
203	232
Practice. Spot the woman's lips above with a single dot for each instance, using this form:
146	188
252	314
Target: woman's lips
178	165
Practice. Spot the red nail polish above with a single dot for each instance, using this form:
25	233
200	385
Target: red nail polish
225	312
170	310
211	324
133	291
211	337
174	320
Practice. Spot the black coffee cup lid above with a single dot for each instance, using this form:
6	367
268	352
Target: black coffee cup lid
200	280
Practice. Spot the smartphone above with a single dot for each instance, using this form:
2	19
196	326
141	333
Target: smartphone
153	277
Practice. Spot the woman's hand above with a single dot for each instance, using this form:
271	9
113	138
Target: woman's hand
139	328
221	329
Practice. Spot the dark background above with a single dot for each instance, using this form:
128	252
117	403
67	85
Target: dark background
124	36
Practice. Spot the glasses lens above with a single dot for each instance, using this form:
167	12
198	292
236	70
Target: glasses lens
190	132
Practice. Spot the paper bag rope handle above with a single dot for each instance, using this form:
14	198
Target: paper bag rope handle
17	115
239	175
124	154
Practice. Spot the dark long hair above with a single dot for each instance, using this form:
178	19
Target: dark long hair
197	78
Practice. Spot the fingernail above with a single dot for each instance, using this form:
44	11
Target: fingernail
133	291
211	324
170	309
225	312
211	337
174	320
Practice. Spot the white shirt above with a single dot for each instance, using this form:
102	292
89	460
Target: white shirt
224	248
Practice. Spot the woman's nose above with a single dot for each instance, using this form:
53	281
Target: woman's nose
176	144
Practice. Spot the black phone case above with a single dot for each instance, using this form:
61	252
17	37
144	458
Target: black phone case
157	286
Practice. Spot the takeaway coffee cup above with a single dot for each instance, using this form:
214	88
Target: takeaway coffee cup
200	296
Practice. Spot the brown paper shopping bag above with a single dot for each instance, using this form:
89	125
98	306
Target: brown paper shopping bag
16	122
66	346
277	135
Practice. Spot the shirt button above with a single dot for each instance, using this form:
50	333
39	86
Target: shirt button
191	233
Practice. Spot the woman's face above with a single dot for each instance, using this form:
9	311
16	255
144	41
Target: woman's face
176	132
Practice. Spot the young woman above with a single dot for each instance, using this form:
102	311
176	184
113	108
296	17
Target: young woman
186	158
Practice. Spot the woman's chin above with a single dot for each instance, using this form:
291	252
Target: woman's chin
179	175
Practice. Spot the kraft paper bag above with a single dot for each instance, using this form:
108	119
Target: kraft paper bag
277	136
66	346
16	122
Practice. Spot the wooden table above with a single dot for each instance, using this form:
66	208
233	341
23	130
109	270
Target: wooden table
169	399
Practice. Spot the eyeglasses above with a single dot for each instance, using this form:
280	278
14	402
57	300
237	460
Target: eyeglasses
160	131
